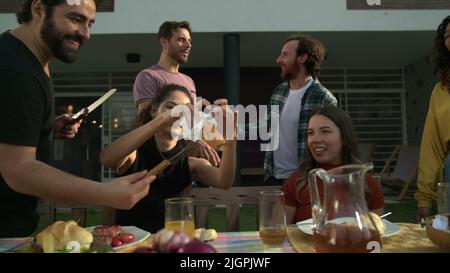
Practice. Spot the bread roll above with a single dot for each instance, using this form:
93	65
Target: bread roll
54	238
208	235
379	223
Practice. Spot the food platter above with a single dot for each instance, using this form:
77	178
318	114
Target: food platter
139	235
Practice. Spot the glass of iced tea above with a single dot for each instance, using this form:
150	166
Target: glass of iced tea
179	215
272	218
443	201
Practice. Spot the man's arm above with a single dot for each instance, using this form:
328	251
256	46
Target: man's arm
24	174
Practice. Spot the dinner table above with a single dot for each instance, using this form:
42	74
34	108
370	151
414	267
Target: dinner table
411	238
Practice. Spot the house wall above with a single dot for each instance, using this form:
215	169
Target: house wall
140	16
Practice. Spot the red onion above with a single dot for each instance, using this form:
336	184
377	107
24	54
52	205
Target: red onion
161	239
197	246
178	241
169	241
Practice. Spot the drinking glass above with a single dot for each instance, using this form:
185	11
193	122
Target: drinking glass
272	218
179	215
443	201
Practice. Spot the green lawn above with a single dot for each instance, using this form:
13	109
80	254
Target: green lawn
402	212
247	220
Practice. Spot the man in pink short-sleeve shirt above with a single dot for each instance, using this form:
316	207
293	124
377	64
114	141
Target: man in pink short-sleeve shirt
175	41
151	79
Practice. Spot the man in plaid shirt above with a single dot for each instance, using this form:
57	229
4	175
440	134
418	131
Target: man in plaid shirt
300	93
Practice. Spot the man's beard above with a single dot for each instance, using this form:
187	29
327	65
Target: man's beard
176	55
55	41
290	72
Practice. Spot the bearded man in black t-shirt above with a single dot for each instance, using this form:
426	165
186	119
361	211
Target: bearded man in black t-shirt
48	29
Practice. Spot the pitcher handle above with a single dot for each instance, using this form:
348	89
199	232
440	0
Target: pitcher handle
317	210
368	166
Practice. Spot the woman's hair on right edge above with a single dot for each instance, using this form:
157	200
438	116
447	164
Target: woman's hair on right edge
441	55
161	95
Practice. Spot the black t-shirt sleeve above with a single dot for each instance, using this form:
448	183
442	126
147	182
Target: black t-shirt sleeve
22	108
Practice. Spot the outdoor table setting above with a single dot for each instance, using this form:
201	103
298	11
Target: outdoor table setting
348	227
411	238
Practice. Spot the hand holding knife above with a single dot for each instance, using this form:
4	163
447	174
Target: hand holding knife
67	126
87	110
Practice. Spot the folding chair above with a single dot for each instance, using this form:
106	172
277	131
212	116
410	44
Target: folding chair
405	170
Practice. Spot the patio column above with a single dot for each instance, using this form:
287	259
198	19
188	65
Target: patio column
231	69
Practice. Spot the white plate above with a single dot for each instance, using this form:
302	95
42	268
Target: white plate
139	235
307	225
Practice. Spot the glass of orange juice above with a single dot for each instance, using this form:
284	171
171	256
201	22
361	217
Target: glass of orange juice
272	218
179	215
